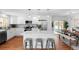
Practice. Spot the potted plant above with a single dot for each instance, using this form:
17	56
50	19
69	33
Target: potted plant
66	25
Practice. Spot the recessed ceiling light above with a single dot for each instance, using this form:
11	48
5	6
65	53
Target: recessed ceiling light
47	15
35	18
29	16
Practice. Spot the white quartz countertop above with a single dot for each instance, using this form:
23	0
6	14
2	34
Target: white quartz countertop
2	30
37	32
37	35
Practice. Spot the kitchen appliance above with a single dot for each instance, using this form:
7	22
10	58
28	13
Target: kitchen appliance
28	26
13	25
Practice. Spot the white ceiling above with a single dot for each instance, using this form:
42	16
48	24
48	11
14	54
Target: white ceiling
41	11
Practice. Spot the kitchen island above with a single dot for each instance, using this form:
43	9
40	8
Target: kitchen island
35	35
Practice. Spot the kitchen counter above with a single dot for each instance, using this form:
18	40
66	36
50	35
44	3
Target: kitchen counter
11	33
35	35
2	30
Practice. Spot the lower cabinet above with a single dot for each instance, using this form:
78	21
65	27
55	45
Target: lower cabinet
3	36
14	32
11	33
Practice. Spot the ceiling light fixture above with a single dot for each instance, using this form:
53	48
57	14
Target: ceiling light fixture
38	9
48	9
29	9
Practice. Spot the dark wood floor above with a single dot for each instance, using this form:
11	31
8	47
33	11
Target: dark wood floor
16	43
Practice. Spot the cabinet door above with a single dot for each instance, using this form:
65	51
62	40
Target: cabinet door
21	20
3	37
19	31
10	34
13	19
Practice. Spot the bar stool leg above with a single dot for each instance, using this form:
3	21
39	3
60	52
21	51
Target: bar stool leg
42	45
36	45
47	45
31	45
25	45
54	46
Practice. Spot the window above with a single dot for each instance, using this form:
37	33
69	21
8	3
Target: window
4	22
58	25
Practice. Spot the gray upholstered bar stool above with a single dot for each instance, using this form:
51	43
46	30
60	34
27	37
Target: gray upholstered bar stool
39	41
29	43
50	42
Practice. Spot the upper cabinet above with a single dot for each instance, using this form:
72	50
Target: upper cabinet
21	20
13	19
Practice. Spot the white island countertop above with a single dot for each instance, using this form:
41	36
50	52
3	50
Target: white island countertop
2	30
38	35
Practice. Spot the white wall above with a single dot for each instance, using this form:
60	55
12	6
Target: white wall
75	20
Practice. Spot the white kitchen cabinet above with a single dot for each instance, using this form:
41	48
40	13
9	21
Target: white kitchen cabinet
19	31
21	20
11	33
13	19
14	32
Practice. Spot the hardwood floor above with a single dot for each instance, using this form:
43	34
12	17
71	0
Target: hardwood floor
16	43
61	46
